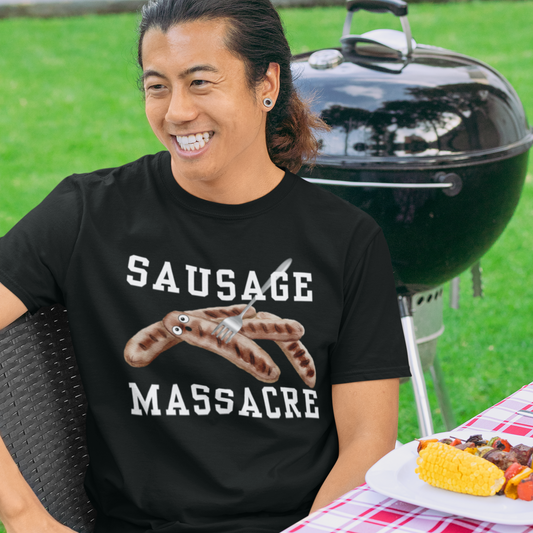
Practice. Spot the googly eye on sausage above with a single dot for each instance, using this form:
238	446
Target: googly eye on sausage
241	351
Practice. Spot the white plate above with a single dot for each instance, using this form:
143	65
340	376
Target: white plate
394	476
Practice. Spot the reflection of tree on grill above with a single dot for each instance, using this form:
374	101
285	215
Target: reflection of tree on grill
453	118
346	118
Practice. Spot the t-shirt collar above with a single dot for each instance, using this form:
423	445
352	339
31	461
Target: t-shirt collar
214	209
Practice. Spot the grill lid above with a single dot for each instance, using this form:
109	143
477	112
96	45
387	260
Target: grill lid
394	102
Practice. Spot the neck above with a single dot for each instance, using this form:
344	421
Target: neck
250	182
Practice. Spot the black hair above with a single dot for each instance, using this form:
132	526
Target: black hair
255	34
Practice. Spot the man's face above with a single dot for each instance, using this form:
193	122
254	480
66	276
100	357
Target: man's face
198	102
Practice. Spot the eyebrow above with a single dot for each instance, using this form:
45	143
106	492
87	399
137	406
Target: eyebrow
185	73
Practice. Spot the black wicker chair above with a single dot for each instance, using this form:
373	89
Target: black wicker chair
43	411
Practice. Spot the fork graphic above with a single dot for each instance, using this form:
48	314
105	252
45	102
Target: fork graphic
232	325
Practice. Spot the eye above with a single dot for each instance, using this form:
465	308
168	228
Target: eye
155	87
177	330
183	319
200	83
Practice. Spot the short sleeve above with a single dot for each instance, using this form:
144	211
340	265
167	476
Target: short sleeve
370	344
35	253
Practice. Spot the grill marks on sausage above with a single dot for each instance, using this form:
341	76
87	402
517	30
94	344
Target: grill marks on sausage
241	350
283	330
158	337
147	344
163	336
301	360
295	351
299	354
219	313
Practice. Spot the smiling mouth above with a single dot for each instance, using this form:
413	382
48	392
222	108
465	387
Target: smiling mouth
191	143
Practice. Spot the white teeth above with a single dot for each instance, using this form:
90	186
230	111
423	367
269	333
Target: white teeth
193	142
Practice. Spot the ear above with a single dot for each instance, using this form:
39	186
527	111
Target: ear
270	85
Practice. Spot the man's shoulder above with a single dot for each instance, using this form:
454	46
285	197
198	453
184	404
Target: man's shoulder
328	205
139	169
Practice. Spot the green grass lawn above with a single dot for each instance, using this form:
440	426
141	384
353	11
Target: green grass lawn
69	103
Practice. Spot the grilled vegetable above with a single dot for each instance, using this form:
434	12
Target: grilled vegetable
513	470
448	468
511	489
501	444
525	489
423	443
482	450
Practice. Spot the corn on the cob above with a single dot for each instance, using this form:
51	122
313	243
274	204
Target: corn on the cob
448	468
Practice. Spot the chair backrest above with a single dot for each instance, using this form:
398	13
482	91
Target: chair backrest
43	409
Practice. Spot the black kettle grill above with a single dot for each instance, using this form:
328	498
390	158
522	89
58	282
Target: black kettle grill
433	144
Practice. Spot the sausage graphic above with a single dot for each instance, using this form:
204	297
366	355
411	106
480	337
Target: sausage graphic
241	351
218	314
148	343
195	328
296	353
151	341
272	328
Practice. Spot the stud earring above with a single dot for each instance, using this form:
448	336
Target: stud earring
267	102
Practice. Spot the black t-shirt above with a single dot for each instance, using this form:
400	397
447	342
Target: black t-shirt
198	440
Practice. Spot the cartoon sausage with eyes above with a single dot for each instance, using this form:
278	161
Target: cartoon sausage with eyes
151	341
241	350
195	328
177	326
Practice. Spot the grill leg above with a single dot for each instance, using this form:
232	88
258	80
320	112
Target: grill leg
425	422
442	395
454	292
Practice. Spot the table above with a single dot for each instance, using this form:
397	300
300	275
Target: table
363	510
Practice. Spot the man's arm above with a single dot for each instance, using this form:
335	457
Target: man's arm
20	509
10	307
366	415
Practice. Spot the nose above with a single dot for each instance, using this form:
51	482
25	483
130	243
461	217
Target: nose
181	108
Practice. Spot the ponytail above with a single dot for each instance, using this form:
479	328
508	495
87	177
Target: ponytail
293	142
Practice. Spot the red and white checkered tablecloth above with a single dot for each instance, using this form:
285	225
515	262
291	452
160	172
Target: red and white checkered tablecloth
363	510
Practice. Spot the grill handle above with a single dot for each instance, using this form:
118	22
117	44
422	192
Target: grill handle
396	7
451	184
